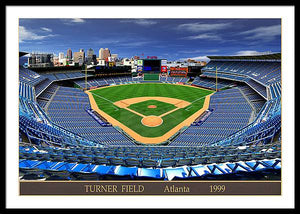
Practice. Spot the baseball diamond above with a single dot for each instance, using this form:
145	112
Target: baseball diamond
171	108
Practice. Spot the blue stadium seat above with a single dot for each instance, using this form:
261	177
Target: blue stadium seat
176	173
149	173
126	171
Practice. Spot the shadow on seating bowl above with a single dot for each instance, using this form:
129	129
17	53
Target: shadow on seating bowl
57	175
31	174
85	176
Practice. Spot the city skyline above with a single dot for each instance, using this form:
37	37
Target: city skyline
172	39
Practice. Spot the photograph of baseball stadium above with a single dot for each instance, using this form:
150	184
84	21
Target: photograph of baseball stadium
149	99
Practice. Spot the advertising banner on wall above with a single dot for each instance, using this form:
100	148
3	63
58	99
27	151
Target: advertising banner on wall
139	68
185	69
178	71
164	69
140	62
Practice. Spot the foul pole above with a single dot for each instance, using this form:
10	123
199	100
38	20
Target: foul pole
85	77
216	79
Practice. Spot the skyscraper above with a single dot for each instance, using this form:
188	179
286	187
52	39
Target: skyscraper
82	51
69	53
101	53
90	52
91	57
104	53
61	56
79	57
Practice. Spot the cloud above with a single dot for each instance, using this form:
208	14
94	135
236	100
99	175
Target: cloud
190	51
198	51
134	44
204	29
26	34
200	27
142	22
106	41
266	33
198	58
73	21
46	29
78	20
123	42
203	36
251	53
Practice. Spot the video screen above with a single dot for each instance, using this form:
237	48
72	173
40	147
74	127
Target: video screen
152	66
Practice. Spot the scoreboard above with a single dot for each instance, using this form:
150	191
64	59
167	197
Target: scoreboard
179	71
151	65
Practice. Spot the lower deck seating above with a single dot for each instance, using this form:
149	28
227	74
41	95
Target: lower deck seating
68	109
231	112
169	79
103	81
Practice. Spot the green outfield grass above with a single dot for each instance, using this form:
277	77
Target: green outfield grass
105	97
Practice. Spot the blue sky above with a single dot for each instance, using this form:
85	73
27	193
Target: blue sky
171	39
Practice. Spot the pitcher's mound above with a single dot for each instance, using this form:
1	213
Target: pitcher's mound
152	106
152	121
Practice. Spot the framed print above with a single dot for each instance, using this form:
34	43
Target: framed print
182	105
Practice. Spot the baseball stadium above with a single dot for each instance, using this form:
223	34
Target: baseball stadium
87	124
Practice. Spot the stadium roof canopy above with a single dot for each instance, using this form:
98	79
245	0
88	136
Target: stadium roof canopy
276	56
22	53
